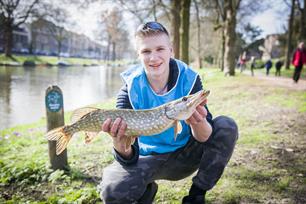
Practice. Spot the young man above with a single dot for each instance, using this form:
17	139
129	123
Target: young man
204	144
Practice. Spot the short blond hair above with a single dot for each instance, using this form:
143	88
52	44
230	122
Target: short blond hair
151	28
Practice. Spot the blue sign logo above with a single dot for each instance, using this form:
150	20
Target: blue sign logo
54	101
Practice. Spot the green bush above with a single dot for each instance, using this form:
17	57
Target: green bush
29	63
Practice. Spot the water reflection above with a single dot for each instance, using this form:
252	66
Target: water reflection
22	90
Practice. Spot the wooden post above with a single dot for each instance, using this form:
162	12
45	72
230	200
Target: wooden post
55	118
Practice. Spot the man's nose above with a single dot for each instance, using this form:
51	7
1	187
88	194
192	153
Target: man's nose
153	56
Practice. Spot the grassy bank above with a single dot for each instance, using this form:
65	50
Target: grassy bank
19	60
268	165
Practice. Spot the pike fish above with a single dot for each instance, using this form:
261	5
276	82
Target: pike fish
139	122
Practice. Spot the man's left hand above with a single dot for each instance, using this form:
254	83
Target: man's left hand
199	114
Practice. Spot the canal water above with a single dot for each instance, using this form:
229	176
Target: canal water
22	89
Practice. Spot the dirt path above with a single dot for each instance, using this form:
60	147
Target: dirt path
282	81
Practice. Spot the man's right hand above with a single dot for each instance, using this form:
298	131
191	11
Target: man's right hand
117	131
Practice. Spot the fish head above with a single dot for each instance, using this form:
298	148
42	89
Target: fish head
183	108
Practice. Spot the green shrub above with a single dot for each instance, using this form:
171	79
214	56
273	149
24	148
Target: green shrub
29	63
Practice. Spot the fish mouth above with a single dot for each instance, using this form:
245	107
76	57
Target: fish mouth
198	98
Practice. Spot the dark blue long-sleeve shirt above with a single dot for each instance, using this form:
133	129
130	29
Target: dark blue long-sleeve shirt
123	102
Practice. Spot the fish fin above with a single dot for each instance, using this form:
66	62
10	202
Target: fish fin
79	113
129	142
61	137
89	136
177	128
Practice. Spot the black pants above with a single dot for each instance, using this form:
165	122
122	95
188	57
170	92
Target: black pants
278	72
297	73
128	184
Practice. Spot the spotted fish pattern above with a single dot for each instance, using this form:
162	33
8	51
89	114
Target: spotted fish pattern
139	122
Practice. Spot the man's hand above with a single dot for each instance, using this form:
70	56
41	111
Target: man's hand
199	115
117	132
201	129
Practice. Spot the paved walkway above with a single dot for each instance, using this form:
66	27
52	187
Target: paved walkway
281	81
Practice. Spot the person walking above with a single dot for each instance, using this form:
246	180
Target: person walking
298	60
242	61
268	66
278	67
253	65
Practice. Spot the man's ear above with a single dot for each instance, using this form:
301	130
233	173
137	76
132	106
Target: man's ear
172	53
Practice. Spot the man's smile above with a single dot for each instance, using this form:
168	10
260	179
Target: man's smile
155	65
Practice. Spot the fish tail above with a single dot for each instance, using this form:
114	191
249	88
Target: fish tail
61	137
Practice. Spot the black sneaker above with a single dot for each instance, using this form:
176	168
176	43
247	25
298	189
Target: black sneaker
149	194
193	200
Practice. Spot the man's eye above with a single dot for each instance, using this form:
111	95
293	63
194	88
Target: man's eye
184	99
145	52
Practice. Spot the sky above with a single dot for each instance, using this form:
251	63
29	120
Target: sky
270	21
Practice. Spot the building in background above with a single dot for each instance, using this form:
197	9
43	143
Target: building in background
42	37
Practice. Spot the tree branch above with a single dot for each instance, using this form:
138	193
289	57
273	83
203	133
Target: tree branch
29	11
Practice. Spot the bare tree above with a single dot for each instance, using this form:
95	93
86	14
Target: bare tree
229	11
231	7
302	36
199	58
221	25
175	26
185	16
59	19
141	9
13	14
115	33
290	31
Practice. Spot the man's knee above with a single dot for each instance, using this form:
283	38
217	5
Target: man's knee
226	129
117	189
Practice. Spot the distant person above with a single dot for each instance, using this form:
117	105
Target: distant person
242	62
278	67
299	58
268	66
253	65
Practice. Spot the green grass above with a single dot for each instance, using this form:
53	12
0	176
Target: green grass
52	60
267	116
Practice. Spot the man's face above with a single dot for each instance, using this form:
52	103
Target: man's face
154	53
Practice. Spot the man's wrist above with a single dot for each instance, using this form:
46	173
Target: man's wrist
123	152
201	130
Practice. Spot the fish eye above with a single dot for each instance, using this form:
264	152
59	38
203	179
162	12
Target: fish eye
184	99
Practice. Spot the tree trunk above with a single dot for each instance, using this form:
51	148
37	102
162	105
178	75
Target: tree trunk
59	47
185	31
230	38
175	26
8	39
154	10
222	49
114	51
303	23
289	37
199	58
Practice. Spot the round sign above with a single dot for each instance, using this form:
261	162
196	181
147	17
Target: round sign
54	101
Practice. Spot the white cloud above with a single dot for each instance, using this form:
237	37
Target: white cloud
270	21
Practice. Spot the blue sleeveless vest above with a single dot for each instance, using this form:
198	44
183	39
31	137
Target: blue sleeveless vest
142	96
